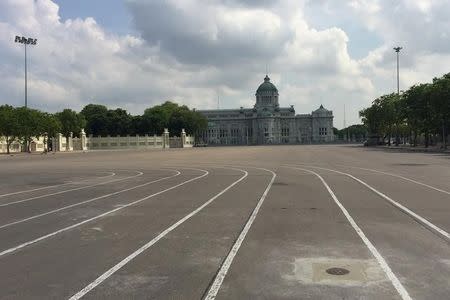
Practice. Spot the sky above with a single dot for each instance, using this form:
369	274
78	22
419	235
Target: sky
206	54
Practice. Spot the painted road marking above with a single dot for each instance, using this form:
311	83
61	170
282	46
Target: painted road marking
218	280
402	177
23	245
441	232
56	185
387	270
87	201
71	190
129	258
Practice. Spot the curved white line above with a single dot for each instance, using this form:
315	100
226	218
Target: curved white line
403	208
56	185
383	264
218	280
70	190
87	201
10	250
129	258
402	177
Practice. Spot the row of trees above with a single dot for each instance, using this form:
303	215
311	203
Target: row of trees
102	121
421	111
22	124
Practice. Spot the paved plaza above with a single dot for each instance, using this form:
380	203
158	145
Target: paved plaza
260	222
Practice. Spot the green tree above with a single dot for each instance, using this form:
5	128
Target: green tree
96	119
158	117
440	105
119	122
29	125
71	122
9	125
174	117
414	109
50	126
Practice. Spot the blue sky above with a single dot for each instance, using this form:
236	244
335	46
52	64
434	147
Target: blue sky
111	14
137	53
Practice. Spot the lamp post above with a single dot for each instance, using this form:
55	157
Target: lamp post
397	50
25	41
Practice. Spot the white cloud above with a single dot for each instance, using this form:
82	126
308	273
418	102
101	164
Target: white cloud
191	51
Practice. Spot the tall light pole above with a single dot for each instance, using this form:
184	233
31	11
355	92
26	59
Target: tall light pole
25	41
397	50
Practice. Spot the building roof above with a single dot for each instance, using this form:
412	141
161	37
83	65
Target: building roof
266	86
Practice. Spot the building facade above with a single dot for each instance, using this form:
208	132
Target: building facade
267	123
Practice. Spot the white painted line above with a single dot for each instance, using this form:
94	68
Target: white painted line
70	190
218	280
56	185
420	219
402	177
87	201
129	258
10	250
383	264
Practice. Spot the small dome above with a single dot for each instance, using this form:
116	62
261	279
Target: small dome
266	86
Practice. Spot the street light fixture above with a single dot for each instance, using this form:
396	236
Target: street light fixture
25	41
397	50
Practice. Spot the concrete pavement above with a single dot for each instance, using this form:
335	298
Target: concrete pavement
165	224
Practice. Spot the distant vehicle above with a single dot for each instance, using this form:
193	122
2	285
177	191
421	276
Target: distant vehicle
201	145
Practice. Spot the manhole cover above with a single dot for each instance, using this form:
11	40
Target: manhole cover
280	183
337	271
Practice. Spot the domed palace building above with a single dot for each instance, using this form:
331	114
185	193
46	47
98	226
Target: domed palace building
267	123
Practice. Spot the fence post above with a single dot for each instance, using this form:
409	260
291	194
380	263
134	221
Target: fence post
69	146
83	140
183	138
166	138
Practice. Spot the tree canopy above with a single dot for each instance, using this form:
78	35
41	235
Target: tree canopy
421	111
103	121
23	124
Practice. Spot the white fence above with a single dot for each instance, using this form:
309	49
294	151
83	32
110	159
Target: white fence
84	142
36	145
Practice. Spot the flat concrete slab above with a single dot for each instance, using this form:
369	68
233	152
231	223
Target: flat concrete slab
263	222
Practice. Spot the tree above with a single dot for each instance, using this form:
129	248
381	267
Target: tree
440	105
158	117
118	122
96	119
9	125
50	126
29	125
71	122
174	117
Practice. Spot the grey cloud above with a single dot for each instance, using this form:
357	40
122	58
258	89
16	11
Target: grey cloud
193	38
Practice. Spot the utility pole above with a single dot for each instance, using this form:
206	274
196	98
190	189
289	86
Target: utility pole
397	50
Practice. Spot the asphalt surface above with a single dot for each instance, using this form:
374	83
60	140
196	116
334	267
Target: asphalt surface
226	223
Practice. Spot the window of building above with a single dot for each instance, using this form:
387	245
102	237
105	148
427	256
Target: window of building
266	132
322	131
284	131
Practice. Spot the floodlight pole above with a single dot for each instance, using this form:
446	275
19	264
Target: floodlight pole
26	85
397	50
25	41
